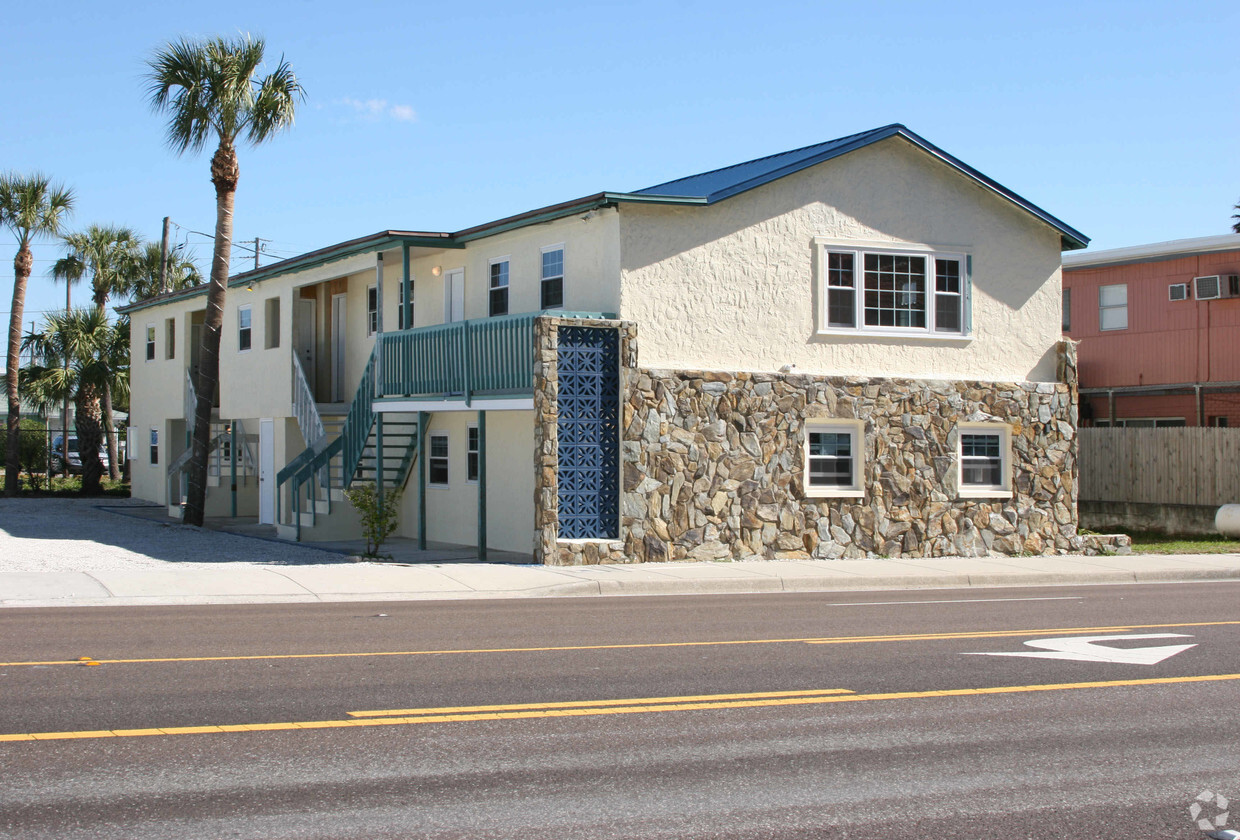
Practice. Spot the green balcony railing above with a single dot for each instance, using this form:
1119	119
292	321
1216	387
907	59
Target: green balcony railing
464	359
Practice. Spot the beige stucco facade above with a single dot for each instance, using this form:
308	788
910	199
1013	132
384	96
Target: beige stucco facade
735	286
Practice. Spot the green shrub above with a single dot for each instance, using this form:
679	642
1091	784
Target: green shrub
378	520
31	451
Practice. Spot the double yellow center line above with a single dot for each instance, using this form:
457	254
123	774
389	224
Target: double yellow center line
641	705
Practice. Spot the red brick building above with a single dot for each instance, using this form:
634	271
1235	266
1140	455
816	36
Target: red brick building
1159	327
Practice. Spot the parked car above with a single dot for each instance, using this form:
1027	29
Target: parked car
75	457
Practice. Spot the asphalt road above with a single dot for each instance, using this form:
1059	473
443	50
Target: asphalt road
860	715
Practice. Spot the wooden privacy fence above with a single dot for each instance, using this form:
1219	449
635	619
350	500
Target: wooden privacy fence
1177	466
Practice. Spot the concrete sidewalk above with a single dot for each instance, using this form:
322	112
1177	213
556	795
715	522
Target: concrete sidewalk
244	583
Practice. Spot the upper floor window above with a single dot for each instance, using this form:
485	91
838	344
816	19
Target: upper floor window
150	342
170	338
244	336
552	287
372	310
499	287
893	289
1067	309
271	323
1113	307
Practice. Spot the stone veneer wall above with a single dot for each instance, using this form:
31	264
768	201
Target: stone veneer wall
713	463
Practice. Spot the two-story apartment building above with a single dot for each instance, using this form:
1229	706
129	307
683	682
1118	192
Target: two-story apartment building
1159	332
843	350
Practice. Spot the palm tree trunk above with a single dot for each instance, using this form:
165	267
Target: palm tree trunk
90	436
22	264
109	433
224	174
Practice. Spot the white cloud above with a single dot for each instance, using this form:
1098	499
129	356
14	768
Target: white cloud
377	109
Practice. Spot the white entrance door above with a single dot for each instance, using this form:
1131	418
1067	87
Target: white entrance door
338	345
304	333
454	295
267	471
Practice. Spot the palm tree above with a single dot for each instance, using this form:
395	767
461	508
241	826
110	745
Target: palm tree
211	89
110	254
31	207
1236	227
82	357
182	273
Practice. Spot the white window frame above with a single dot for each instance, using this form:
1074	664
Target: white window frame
506	287
131	443
153	447
825	246
445	458
372	310
543	278
1002	490
245	327
855	429
150	342
1112	307
471	453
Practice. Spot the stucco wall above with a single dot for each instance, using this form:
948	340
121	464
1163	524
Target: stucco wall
591	269
452	511
732	286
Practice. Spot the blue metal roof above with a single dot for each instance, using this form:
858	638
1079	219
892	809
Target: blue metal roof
719	184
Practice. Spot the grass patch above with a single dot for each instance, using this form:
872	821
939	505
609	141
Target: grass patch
1149	542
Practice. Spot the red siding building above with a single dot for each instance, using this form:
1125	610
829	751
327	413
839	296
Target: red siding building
1159	332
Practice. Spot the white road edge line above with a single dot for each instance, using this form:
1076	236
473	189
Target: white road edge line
958	601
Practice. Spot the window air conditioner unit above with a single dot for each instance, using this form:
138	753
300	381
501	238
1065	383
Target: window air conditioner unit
1216	286
1177	291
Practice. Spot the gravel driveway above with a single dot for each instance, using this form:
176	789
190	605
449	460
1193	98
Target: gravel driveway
87	535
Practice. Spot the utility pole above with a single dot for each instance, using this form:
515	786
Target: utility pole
163	258
256	241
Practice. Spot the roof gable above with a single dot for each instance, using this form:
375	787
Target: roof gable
718	184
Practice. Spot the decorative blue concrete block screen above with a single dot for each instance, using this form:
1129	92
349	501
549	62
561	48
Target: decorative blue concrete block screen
588	428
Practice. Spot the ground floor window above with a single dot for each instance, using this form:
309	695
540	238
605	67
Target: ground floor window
471	456
154	447
437	463
985	460
834	458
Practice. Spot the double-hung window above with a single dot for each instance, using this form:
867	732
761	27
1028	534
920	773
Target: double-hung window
1113	307
154	447
372	310
890	288
437	463
244	336
150	342
401	291
834	457
985	453
471	456
499	287
551	290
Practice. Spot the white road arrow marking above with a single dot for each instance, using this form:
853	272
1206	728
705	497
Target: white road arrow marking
1084	649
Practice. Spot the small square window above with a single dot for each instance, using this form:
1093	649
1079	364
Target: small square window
551	291
437	462
985	452
499	288
471	456
244	334
834	456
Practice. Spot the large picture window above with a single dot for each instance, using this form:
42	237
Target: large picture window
893	290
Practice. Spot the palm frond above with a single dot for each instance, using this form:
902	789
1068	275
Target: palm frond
31	206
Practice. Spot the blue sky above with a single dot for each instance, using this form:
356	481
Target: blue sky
1119	118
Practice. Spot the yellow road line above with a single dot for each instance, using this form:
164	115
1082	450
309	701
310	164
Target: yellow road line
838	640
554	710
757	695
